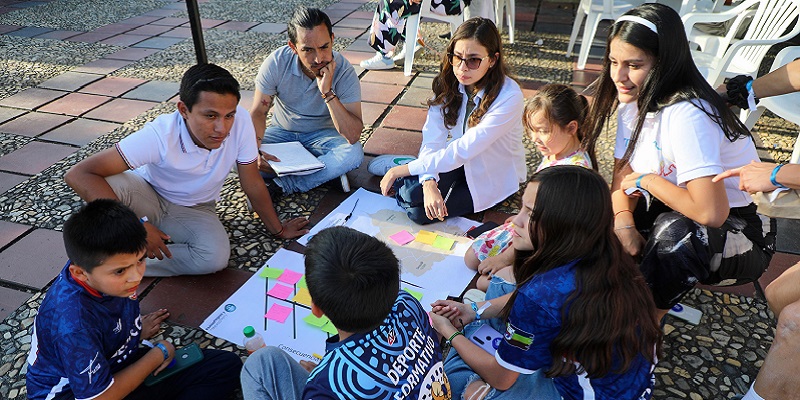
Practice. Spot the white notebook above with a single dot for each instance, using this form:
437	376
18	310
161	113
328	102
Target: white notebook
295	159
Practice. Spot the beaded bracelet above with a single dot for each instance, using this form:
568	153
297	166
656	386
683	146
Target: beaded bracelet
453	336
774	175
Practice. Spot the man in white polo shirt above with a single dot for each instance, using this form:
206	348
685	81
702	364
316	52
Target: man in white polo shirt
171	173
317	99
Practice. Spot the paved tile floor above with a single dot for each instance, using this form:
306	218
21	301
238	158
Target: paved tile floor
60	116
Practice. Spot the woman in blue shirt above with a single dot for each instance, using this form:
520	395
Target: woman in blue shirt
581	323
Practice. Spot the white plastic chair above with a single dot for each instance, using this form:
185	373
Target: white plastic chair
412	27
770	19
708	42
786	106
595	11
507	7
705	6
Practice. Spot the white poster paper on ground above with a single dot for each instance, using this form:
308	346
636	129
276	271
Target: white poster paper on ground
427	265
291	326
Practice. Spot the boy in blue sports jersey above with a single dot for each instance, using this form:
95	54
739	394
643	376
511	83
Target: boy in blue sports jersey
386	347
86	337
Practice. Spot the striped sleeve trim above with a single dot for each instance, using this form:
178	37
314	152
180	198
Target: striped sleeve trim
247	162
121	154
512	367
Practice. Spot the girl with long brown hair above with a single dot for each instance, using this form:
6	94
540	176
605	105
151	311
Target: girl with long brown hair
674	134
472	139
581	321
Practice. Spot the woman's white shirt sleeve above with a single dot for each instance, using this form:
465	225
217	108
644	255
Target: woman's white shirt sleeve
437	155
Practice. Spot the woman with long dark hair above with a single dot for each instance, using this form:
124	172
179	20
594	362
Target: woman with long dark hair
674	134
472	139
581	313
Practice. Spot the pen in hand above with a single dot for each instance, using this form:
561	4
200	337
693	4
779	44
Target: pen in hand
449	191
446	197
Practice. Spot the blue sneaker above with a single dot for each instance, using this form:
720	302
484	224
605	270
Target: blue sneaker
382	164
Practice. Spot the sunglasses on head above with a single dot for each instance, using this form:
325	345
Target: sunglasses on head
472	62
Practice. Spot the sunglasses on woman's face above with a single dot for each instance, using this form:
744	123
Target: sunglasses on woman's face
472	62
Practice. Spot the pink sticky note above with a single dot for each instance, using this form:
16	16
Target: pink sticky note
290	277
280	291
278	313
402	237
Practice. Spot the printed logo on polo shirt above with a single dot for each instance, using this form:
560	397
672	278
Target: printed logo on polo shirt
118	328
518	338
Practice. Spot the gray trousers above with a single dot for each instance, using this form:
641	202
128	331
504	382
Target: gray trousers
199	245
272	374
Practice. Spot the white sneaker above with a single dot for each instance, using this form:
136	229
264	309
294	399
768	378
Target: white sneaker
382	164
399	58
474	295
377	62
345	183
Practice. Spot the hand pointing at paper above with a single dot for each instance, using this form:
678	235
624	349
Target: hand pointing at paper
755	177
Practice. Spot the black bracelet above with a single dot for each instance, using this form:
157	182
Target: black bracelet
278	233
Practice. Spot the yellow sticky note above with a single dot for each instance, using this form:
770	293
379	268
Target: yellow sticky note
426	237
302	297
443	243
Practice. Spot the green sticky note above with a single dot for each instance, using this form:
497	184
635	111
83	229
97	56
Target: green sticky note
414	293
425	237
314	321
443	243
329	328
302	283
270	273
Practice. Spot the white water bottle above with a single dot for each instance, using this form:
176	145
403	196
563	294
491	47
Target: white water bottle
252	339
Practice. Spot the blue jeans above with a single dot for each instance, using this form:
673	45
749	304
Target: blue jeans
331	148
271	374
460	375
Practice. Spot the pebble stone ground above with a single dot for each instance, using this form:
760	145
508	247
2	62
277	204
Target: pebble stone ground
43	41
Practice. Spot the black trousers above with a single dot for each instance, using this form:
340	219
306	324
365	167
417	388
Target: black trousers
215	377
409	196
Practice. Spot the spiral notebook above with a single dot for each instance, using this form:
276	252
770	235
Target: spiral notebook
295	159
